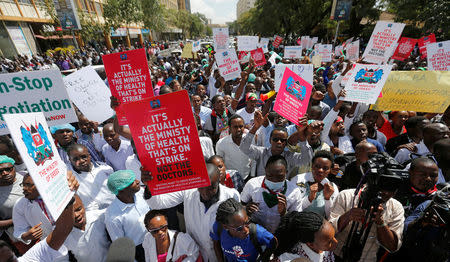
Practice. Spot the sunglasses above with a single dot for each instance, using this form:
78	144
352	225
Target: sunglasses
156	230
277	139
7	169
240	228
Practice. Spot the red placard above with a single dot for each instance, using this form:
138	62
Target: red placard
244	57
277	41
299	41
404	48
423	42
167	142
258	57
128	78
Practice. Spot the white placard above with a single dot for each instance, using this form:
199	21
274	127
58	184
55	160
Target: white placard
221	38
293	52
247	43
366	83
438	56
264	44
196	46
39	153
382	42
325	51
228	63
305	71
90	94
35	91
353	51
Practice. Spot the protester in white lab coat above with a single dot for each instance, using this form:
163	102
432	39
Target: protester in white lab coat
200	207
162	244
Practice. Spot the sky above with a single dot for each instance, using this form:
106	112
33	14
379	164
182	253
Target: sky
219	11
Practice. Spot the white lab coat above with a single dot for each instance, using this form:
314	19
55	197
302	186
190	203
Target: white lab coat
185	245
198	221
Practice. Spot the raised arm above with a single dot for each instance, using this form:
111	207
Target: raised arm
63	227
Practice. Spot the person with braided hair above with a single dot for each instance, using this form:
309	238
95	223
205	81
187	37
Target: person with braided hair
305	235
236	238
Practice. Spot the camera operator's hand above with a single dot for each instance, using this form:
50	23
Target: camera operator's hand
355	214
430	219
328	191
378	215
313	189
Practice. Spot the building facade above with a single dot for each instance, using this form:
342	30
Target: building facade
243	6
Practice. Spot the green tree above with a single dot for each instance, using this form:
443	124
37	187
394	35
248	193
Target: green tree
119	13
153	15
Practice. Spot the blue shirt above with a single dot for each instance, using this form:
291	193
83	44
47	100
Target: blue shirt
377	144
241	250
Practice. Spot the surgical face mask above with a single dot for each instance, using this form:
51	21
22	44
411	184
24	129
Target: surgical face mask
274	186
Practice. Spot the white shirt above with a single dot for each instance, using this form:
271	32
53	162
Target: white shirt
117	159
269	217
133	163
185	245
345	145
90	244
207	146
199	221
127	220
203	114
93	190
248	117
42	252
301	181
233	157
303	251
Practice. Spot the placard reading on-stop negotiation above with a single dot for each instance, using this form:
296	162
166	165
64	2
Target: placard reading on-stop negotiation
39	153
420	91
167	143
35	91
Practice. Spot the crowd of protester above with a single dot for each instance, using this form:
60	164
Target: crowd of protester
279	191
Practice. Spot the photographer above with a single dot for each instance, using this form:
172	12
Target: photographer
372	204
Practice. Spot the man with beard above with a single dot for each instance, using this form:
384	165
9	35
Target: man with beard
358	130
370	119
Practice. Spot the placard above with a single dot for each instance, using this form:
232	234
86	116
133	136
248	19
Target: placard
304	41
128	78
293	96
325	51
352	50
277	41
423	42
264	44
196	46
419	91
438	56
382	41
90	94
404	48
188	51
316	60
293	52
258	57
35	144
247	43
366	82
305	71
244	57
35	91
228	63
165	135
221	38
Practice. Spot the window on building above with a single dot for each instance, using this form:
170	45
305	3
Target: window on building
98	8
92	6
83	5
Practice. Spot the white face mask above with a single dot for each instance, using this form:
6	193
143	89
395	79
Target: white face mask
274	186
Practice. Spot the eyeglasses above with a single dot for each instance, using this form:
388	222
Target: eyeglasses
7	169
240	228
156	230
277	139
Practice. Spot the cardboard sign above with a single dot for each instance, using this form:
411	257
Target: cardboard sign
258	57
277	41
247	43
438	56
305	71
264	44
353	51
188	51
381	43
165	134
325	51
244	57
35	91
128	78
316	60
39	153
293	96
293	52
366	83
221	38
196	46
89	93
304	41
423	42
228	63
404	48
420	91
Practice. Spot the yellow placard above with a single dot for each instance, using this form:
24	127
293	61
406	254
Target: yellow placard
187	51
317	60
420	91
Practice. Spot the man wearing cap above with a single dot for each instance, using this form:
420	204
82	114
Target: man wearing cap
248	112
63	135
125	216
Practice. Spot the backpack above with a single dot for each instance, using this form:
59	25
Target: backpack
253	237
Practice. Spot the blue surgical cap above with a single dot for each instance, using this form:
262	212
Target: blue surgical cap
53	129
6	159
120	180
251	78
